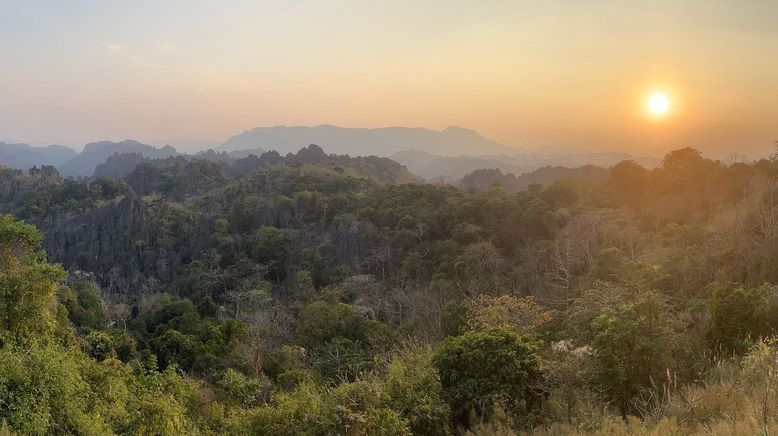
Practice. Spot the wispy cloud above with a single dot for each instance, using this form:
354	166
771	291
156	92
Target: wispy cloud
166	48
112	48
146	63
121	51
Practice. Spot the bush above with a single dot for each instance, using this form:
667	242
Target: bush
479	369
240	390
349	409
413	389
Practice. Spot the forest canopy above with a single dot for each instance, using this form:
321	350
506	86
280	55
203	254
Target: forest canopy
318	294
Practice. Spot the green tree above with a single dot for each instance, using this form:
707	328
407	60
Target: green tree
635	345
341	359
43	390
320	322
740	316
413	388
236	388
629	181
84	306
479	369
349	409
27	284
272	249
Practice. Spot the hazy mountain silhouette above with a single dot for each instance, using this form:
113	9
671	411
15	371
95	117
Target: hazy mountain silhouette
96	153
452	168
23	156
449	154
484	179
450	141
120	165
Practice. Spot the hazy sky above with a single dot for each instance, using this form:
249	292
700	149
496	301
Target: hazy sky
525	73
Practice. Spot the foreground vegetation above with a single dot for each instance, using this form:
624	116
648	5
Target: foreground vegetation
301	298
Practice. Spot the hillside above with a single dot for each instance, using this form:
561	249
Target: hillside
274	285
119	165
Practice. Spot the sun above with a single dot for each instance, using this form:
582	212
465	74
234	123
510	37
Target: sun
658	103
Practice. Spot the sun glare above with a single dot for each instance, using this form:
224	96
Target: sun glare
658	104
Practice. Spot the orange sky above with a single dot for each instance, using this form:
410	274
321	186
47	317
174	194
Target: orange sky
565	73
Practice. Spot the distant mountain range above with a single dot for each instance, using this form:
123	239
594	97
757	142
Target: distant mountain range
483	179
23	156
72	164
96	153
452	168
450	141
448	154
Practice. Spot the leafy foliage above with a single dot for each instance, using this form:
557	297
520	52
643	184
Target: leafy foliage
320	294
479	369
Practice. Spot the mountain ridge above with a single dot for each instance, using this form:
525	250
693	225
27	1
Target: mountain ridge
453	168
97	153
23	156
448	154
381	141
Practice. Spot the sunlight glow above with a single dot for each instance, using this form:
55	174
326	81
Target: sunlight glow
658	104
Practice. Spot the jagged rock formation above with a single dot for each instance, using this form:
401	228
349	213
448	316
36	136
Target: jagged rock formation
14	182
175	177
129	244
136	233
380	169
124	165
119	165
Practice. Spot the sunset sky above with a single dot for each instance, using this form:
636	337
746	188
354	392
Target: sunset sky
524	73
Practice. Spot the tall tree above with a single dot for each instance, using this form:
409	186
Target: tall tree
27	284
